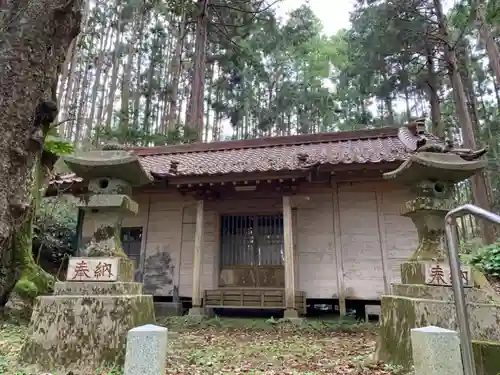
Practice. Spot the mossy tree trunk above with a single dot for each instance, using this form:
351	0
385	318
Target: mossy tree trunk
32	280
34	38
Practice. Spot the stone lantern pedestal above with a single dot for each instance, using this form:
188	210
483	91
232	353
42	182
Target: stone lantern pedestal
83	325
425	297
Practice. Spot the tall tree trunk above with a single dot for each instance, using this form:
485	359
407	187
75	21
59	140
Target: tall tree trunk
127	73
114	74
487	38
433	90
175	73
97	84
478	182
138	88
33	46
80	117
195	112
496	89
68	96
147	121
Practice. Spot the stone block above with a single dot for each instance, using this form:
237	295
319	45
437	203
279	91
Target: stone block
432	273
197	312
487	357
401	314
97	288
146	350
440	293
372	310
436	351
112	203
83	333
102	269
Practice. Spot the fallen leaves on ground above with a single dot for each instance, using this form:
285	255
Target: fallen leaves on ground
11	339
229	351
208	350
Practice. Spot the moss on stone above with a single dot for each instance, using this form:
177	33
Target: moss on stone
397	319
486	357
83	333
106	242
26	287
412	273
401	314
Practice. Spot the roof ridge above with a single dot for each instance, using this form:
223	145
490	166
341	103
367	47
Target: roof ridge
291	140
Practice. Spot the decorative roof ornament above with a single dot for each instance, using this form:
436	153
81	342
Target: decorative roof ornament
415	138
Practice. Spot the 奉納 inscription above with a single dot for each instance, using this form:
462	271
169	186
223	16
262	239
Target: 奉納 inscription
440	274
92	269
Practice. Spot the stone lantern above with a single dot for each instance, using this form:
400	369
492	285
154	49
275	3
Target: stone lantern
425	297
84	325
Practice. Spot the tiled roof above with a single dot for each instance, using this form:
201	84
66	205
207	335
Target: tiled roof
273	154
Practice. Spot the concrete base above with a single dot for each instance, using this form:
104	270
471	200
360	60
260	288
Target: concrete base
399	314
168	309
292	315
440	293
197	312
82	333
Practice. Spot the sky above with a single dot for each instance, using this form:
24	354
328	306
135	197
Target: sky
334	14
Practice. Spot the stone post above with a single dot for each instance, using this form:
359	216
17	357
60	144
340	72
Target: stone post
436	351
146	350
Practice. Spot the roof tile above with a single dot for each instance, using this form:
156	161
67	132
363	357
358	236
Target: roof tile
281	154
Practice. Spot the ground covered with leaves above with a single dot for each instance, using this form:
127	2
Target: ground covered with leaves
243	346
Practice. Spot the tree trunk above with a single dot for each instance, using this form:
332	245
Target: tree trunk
33	280
175	73
486	37
467	79
33	48
114	74
478	182
195	112
97	84
432	84
127	73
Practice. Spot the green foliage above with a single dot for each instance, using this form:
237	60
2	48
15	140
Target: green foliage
55	231
132	137
58	146
487	260
26	288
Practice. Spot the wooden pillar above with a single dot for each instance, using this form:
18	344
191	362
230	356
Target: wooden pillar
198	241
339	262
382	242
290	308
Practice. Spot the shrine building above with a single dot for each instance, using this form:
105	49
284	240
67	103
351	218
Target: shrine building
281	222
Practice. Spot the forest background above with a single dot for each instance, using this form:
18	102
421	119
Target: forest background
149	72
156	72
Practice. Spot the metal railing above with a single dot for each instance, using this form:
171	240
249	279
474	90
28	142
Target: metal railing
456	279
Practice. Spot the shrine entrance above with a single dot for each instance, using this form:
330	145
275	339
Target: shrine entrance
252	251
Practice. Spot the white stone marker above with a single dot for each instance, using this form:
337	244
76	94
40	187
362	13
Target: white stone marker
146	350
436	351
